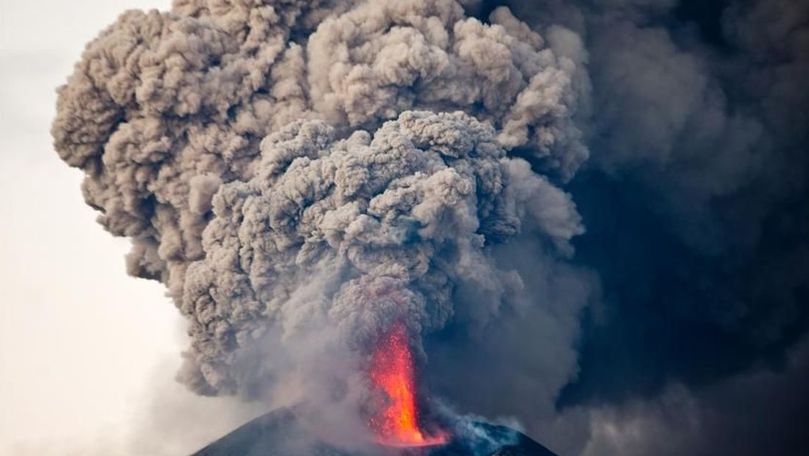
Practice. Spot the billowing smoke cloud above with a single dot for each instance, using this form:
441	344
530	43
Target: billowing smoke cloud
398	218
301	175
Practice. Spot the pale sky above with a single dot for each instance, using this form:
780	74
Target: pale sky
87	353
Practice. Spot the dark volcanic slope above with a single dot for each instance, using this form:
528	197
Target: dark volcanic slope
278	434
274	434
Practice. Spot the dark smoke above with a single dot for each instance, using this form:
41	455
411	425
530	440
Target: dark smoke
696	209
300	175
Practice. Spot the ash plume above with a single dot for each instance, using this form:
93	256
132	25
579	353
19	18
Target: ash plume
301	175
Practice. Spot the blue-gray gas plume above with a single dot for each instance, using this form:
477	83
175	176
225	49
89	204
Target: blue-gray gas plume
696	205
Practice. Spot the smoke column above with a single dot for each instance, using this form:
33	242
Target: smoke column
304	175
307	176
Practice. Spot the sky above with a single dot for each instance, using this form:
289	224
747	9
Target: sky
82	345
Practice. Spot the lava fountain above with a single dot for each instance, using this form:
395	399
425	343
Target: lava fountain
397	421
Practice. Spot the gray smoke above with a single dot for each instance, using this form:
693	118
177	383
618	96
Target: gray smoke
300	175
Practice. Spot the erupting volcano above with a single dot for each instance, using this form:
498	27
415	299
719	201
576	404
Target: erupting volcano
323	185
397	421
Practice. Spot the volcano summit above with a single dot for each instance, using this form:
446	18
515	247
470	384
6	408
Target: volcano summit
279	434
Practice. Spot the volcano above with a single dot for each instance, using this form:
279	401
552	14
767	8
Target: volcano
278	433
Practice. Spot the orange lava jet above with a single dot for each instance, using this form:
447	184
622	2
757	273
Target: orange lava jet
396	424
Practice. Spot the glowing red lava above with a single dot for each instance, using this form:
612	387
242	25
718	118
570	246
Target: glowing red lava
397	424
